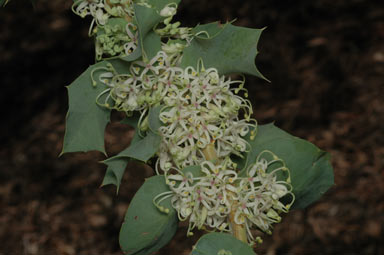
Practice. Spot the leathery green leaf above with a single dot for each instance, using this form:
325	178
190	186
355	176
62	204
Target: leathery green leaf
86	121
228	48
116	165
115	171
194	170
310	168
146	229
154	122
146	19
143	149
221	244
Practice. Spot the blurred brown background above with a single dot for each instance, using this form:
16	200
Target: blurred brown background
325	59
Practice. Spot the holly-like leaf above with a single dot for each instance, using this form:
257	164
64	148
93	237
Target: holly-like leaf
121	66
228	48
86	121
143	149
115	171
221	244
146	19
146	229
310	168
208	31
116	165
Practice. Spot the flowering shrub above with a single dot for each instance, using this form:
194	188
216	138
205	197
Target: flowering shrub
215	167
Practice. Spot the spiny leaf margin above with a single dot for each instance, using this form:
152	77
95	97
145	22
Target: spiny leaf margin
230	49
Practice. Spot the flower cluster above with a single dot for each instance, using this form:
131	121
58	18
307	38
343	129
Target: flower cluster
201	125
102	10
117	37
208	199
115	34
200	107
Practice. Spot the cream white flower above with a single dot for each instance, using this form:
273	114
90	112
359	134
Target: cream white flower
208	199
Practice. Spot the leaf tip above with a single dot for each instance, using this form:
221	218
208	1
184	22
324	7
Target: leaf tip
61	153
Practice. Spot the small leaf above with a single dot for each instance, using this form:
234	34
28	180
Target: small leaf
152	44
154	121
115	171
310	167
231	49
146	19
145	228
221	244
120	66
86	121
116	165
143	149
194	170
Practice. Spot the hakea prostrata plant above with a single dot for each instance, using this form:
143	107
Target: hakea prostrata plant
215	167
200	108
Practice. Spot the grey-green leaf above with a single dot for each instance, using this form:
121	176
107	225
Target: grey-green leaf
145	228
230	49
153	118
144	148
194	170
121	66
116	165
86	121
115	170
221	244
310	167
210	30
146	19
